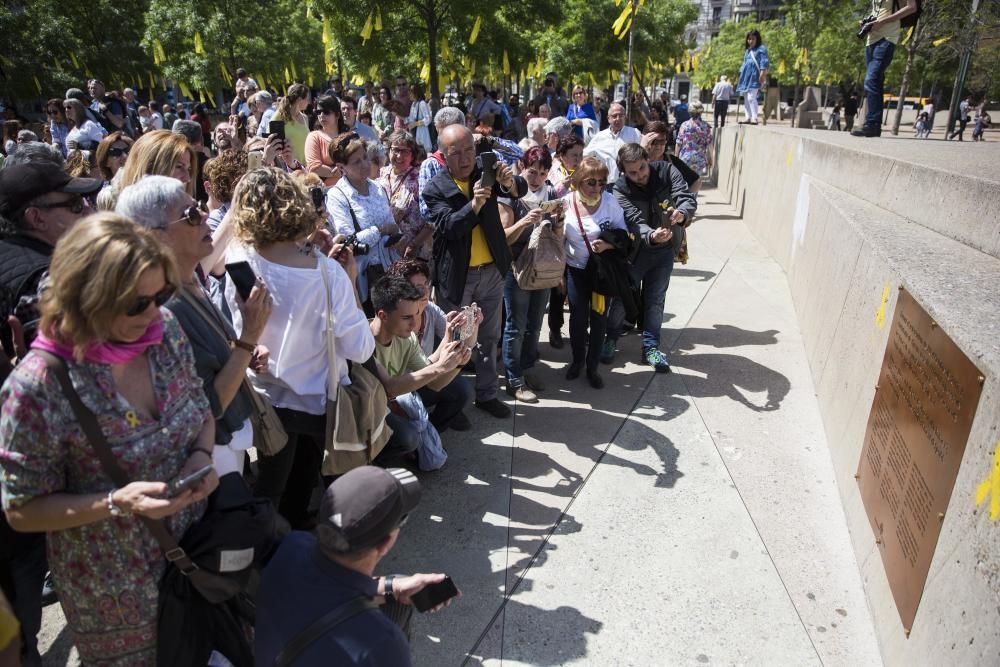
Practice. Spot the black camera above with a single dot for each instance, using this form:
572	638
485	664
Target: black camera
318	195
866	26
356	246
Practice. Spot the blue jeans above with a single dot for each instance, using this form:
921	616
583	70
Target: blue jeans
448	402
878	57
525	311
652	270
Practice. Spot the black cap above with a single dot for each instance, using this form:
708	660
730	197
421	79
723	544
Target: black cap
363	506
23	182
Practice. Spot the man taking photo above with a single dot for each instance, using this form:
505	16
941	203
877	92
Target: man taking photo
880	47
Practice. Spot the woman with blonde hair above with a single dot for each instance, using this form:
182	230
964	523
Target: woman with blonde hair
291	110
111	154
85	134
273	218
131	365
162	153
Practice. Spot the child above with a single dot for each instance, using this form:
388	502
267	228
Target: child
833	122
920	130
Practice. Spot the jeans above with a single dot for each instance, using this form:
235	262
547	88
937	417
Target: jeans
289	477
484	287
525	311
23	564
721	109
405	439
449	401
960	130
652	270
585	347
878	57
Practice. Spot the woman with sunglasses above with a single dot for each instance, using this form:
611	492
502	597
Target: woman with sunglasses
317	150
132	366
360	208
111	154
161	204
400	180
58	125
590	210
84	134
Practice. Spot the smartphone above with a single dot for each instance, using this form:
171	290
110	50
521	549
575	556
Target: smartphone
255	159
487	162
177	487
243	278
434	594
277	127
551	206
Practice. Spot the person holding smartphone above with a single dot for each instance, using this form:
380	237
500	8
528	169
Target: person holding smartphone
361	517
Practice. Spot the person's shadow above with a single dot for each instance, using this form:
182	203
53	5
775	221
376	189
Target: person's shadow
724	375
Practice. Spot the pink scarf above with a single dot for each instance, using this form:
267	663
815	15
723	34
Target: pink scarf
108	352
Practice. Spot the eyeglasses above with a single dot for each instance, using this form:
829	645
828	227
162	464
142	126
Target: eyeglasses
400	150
75	205
142	303
117	152
192	215
659	142
593	183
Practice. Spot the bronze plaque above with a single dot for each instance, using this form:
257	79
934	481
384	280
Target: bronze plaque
920	420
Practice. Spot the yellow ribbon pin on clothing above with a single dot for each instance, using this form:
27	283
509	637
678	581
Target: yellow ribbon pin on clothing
132	418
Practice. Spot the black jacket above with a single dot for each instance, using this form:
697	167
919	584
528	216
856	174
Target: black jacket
641	203
450	213
23	262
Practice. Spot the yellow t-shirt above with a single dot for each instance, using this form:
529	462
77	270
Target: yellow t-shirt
480	250
889	31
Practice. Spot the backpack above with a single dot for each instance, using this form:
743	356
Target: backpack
542	263
908	21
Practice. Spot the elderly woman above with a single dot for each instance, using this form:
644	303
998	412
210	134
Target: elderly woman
161	204
85	134
555	131
590	210
111	155
536	133
331	123
580	110
132	366
694	141
273	218
399	179
360	207
525	308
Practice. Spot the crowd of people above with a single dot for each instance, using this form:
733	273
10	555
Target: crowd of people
333	281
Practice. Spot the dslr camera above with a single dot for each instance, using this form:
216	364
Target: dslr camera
866	26
356	246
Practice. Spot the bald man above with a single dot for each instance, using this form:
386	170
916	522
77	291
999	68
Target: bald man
471	255
606	143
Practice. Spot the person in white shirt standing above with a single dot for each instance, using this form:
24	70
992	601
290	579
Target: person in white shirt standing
721	95
605	144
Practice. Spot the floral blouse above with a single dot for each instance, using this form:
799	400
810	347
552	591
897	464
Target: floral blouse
107	572
693	143
404	195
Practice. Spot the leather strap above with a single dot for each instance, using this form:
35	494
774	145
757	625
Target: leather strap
92	429
300	642
579	222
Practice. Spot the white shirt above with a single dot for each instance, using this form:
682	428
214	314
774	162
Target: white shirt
157	120
605	145
86	136
608	216
295	333
722	91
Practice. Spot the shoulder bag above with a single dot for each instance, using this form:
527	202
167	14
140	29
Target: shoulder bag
321	626
356	431
542	263
269	435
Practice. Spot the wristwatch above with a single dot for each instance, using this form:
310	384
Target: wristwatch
114	509
387	588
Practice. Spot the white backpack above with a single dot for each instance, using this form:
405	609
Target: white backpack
543	261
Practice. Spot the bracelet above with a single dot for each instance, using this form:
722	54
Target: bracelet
243	345
114	509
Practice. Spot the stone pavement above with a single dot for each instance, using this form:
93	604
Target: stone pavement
709	530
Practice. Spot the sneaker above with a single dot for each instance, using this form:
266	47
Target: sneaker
608	350
867	132
522	393
573	372
556	340
533	382
657	360
460	422
495	407
49	595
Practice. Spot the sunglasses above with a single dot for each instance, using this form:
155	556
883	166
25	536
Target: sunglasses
142	303
593	182
75	205
192	215
323	112
117	152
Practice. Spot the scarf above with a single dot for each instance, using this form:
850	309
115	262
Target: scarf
107	352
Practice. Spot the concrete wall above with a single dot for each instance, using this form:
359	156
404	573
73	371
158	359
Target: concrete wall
846	224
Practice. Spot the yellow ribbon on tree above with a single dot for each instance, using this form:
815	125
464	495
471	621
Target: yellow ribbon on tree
373	72
939	42
38	84
475	30
185	90
295	75
76	63
625	28
199	47
425	71
781	68
366	31
616	27
506	63
225	73
159	55
378	19
288	77
326	30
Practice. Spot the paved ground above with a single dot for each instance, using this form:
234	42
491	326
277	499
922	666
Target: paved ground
690	518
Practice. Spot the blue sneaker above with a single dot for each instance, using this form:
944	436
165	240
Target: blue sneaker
657	360
608	350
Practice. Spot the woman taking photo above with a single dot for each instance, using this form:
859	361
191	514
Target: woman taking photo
132	366
399	179
525	308
360	207
291	110
111	155
274	218
84	134
579	110
419	120
317	150
589	211
161	204
753	74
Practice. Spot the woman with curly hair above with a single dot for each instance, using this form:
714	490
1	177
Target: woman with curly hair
274	217
291	110
222	173
111	154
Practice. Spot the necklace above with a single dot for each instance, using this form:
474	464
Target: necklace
306	248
